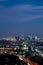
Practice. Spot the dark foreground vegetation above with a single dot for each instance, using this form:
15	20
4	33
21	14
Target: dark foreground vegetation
37	59
6	59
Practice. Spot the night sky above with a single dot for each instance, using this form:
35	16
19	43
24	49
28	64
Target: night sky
19	17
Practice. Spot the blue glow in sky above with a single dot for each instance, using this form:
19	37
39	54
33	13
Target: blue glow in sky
21	17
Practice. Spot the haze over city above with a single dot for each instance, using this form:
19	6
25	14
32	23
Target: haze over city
21	17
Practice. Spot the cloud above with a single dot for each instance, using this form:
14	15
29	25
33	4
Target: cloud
21	13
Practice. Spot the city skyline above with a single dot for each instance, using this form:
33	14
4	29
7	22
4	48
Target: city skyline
19	17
